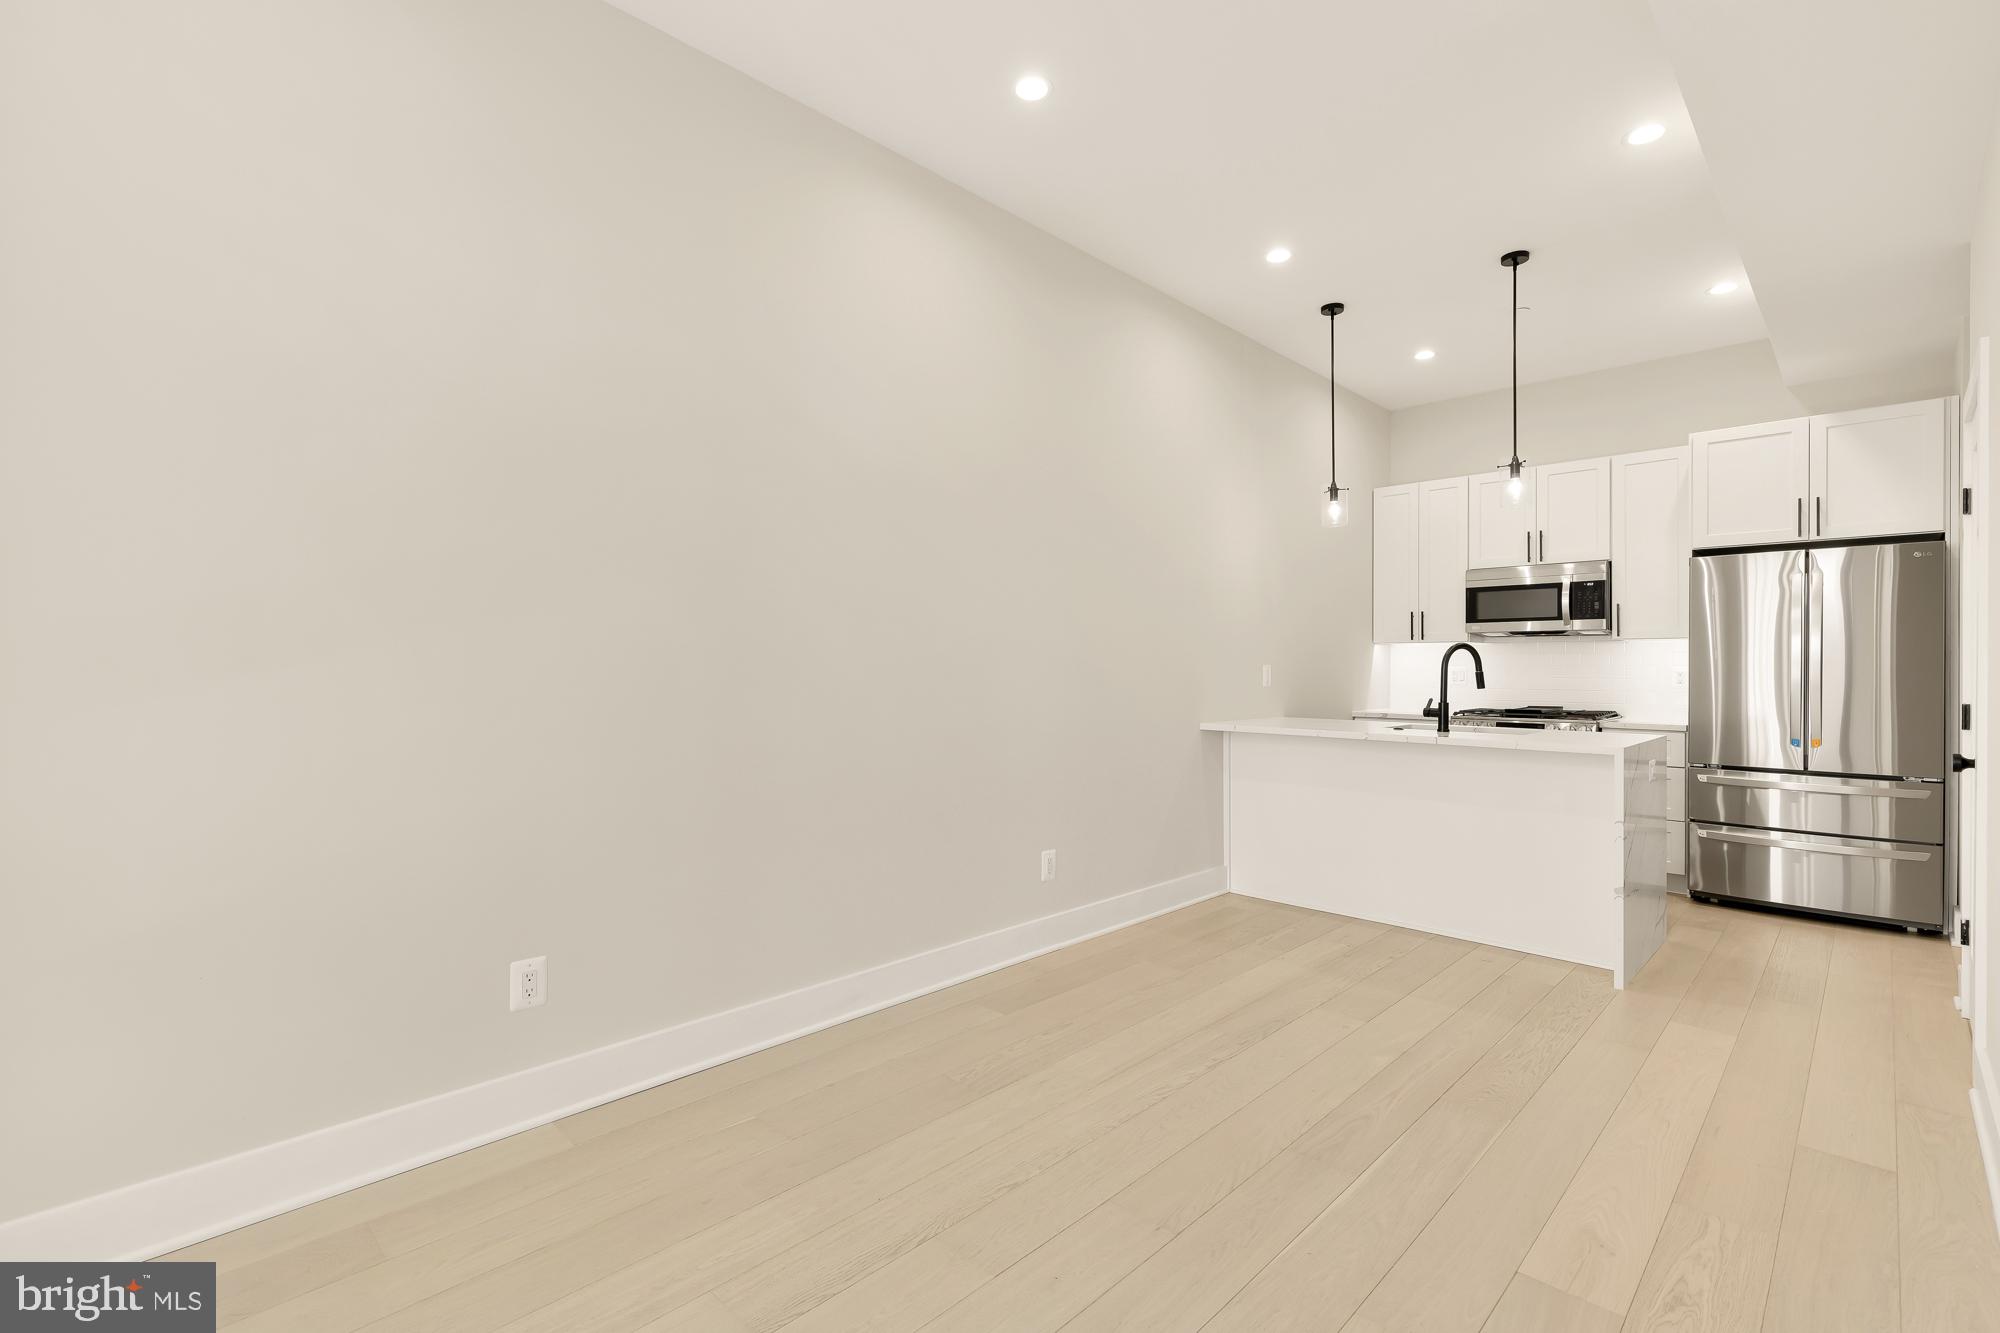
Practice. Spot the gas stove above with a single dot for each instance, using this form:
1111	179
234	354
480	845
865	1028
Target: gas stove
1535	717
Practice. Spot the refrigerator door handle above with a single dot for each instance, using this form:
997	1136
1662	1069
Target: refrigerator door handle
1795	630
1911	791
1816	645
1783	843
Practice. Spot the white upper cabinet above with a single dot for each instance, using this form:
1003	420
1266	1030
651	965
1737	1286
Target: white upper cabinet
1749	484
1650	544
1396	564
1499	530
1879	472
1573	510
1441	560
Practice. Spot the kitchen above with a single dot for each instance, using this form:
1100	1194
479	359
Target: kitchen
1734	561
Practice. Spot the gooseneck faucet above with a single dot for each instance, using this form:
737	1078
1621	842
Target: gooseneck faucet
1444	683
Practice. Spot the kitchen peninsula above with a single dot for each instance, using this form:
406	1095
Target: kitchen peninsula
1544	841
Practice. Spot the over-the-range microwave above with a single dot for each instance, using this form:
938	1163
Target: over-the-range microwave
1516	600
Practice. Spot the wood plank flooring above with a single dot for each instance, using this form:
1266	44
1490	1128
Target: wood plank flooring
1240	1116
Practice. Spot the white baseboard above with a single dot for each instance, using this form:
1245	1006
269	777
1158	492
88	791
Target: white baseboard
1984	1088
155	1216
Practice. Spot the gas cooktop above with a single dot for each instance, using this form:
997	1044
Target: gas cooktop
1537	717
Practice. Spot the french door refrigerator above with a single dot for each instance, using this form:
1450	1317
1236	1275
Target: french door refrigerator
1817	729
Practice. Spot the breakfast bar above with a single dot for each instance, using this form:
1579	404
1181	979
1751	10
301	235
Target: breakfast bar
1542	841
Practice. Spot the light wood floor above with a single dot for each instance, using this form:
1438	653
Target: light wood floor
1241	1116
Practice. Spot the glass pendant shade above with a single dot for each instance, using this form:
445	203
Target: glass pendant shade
1514	486
1333	509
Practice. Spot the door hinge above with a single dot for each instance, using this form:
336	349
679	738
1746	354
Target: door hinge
1964	931
1965	499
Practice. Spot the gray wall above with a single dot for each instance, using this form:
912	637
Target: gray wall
1652	405
481	480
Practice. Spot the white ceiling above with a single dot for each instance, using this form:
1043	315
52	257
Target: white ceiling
1397	149
1846	138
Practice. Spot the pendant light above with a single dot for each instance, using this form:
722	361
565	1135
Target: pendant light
1333	512
1513	260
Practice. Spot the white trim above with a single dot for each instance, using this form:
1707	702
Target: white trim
1983	1087
167	1212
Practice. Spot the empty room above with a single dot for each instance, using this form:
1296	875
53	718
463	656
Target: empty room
939	666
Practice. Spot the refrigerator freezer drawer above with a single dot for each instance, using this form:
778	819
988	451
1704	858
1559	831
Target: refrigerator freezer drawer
1812	803
1900	882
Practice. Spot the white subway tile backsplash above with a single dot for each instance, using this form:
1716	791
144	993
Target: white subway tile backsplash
1643	679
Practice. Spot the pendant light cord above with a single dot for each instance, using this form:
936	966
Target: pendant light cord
1514	370
1332	409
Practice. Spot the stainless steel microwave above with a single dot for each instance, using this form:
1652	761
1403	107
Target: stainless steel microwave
1511	600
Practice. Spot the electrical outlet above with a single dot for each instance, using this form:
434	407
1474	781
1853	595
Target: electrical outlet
1048	865
1267	677
1680	677
528	983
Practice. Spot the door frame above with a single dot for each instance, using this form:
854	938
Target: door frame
1973	460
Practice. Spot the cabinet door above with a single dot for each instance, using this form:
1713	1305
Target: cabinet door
1749	484
1395	564
1878	472
1650	544
1498	528
1441	564
1573	510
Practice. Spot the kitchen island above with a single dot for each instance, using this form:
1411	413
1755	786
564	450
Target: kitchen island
1549	842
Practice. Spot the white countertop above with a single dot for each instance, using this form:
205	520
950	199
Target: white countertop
1613	724
1473	738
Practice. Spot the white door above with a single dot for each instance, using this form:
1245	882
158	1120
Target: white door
1972	832
1395	564
1879	472
1499	529
1441	562
1749	484
1573	510
1650	544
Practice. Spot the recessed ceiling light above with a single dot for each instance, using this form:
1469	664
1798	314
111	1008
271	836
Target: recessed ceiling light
1277	254
1650	132
1723	288
1425	354
1031	88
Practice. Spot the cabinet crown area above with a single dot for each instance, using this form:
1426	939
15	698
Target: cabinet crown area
1841	476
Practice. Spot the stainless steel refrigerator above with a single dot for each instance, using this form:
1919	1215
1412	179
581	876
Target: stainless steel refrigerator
1817	729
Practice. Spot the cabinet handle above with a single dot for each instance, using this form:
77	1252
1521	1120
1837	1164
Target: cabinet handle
1618	620
1413	627
1423	627
1802	516
1529	539
1542	543
1819	526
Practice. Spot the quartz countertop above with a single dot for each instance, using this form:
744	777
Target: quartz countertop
1612	724
1471	738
